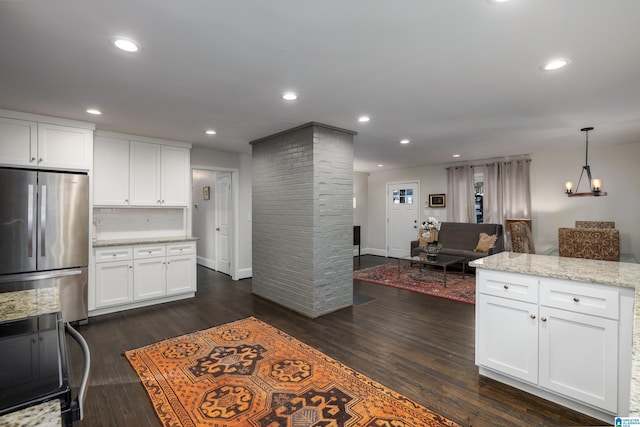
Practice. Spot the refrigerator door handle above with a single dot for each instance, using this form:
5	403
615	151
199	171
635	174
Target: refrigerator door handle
30	229
43	219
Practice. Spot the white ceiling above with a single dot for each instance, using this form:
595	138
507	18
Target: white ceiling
453	76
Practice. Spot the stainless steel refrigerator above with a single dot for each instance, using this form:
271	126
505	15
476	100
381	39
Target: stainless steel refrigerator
44	235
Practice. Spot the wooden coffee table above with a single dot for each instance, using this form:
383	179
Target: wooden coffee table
442	261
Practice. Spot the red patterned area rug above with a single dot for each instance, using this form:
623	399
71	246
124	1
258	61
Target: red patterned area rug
247	373
428	281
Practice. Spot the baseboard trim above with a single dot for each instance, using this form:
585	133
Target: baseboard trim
243	273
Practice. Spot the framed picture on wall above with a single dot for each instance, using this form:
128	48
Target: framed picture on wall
437	200
205	193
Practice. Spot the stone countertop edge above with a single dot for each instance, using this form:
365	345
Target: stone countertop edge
141	241
46	414
28	303
585	270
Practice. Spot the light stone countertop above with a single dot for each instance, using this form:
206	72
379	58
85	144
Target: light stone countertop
46	414
32	302
141	241
584	270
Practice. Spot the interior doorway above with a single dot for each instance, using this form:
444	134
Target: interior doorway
212	218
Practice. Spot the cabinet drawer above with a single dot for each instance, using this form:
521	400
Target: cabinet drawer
141	252
508	285
113	254
580	298
181	248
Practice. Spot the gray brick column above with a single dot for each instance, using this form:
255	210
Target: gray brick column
303	218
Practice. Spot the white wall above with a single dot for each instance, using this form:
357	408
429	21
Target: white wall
618	167
203	225
361	213
432	179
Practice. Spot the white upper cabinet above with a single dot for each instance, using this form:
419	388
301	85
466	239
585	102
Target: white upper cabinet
18	140
111	172
129	172
25	143
64	147
144	184
174	176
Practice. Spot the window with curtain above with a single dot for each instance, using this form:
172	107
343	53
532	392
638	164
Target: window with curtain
461	194
506	191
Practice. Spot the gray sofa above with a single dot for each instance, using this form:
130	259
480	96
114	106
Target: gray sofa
461	238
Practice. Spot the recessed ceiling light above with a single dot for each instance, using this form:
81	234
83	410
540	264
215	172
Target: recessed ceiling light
380	165
364	119
125	44
556	64
210	132
404	141
289	96
94	111
496	1
456	155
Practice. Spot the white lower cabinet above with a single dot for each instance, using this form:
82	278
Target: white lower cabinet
144	273
558	338
114	276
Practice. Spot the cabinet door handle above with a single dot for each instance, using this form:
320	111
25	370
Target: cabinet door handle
506	286
533	316
576	299
130	266
158	201
40	160
126	200
33	159
544	319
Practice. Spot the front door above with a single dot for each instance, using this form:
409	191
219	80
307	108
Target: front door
402	217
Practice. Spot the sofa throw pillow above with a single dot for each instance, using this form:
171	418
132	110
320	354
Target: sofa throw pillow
485	242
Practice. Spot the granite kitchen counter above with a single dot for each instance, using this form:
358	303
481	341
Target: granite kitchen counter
32	302
141	241
583	270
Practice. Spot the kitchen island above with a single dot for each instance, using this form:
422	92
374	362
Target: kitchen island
565	329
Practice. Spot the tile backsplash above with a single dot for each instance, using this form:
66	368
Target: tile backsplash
132	223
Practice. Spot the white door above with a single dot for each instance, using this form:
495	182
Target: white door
223	222
402	217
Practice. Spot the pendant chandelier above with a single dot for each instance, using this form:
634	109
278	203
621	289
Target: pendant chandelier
595	183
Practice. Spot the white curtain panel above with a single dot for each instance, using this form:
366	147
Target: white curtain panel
460	194
507	191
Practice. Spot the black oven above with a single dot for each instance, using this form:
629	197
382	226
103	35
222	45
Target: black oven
34	369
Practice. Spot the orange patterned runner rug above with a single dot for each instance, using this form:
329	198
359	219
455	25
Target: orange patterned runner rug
248	373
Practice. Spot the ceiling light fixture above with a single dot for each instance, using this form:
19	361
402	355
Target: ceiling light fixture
456	155
404	141
210	132
556	64
94	111
289	96
364	119
126	45
596	183
380	165
496	1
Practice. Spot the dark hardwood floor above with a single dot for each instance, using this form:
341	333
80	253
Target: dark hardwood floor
418	345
